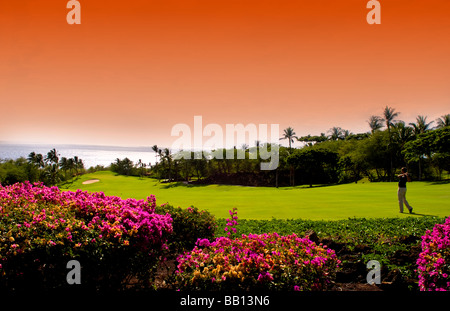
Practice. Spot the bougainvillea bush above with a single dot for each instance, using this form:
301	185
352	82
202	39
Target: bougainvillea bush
434	260
252	262
42	228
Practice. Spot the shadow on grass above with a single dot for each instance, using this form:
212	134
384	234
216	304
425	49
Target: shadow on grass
307	186
167	185
422	215
440	182
175	184
182	184
67	183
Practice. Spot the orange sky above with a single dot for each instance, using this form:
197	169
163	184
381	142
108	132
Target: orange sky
135	68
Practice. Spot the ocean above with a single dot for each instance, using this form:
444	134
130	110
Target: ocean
91	155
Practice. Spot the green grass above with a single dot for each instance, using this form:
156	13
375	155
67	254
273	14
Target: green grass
368	200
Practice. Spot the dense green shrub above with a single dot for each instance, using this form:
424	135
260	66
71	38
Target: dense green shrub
189	225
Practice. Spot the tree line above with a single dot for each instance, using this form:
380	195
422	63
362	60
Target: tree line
337	156
50	169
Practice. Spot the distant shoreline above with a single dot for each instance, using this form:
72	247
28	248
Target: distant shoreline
92	155
78	146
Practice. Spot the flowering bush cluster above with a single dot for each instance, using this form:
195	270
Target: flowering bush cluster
434	260
264	261
230	227
42	228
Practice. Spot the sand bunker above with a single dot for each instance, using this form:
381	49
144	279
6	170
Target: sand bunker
90	181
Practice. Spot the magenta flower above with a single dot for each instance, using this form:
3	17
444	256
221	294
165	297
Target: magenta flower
257	260
432	268
265	277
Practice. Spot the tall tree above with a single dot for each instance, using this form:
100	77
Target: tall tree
346	134
51	171
375	123
156	150
52	157
389	117
289	134
401	133
72	165
313	162
36	159
32	158
123	167
432	145
336	133
421	125
443	121
64	165
168	158
77	164
141	168
37	164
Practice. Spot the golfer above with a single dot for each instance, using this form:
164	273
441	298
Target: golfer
403	178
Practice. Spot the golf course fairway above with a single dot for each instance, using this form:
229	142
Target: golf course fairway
361	200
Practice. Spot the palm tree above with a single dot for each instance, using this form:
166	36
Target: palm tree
443	121
168	157
32	158
52	157
160	153
290	135
346	134
78	164
375	123
336	133
141	167
389	117
402	133
40	160
421	125
64	165
36	159
155	149
75	164
157	153
72	165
